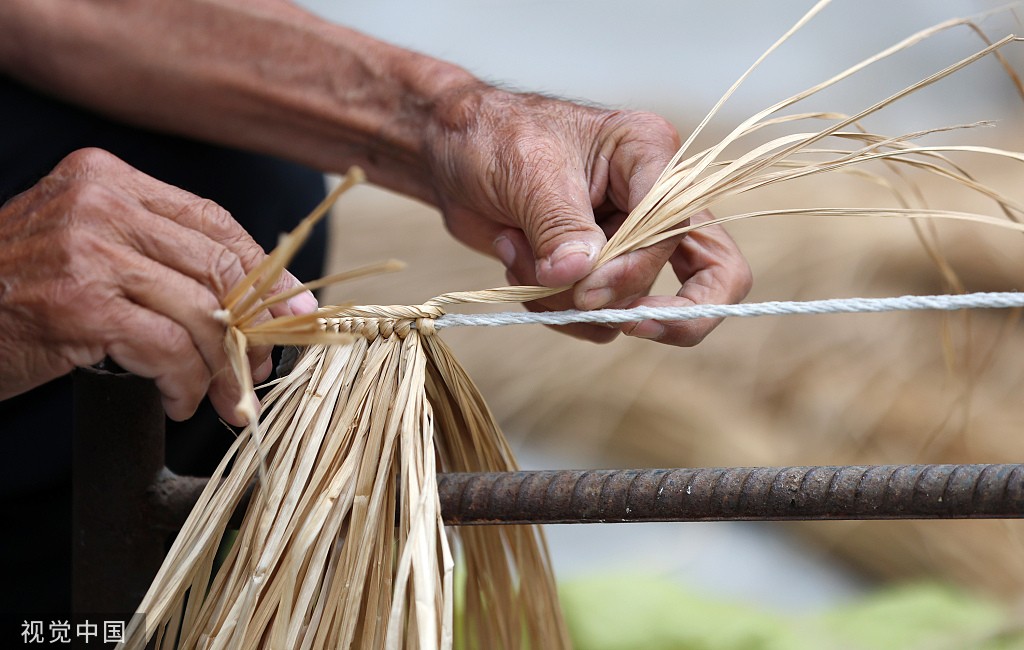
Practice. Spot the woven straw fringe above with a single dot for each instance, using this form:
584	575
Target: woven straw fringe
354	436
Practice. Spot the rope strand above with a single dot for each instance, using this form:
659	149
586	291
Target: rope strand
981	300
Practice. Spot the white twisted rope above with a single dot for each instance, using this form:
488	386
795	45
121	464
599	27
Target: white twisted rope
991	300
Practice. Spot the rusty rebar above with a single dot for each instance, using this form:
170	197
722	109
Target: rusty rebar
735	493
126	501
715	494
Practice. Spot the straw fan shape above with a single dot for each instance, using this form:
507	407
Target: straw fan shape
342	544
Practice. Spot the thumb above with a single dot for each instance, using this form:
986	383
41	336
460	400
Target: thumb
564	236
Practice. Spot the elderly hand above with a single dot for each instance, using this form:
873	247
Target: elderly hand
542	183
98	259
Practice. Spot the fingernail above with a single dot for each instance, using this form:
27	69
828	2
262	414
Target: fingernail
647	329
567	254
304	303
505	251
596	298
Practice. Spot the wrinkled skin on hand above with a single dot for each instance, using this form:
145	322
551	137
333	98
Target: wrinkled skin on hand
98	259
542	183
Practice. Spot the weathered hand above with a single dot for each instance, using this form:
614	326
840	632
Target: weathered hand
98	259
541	183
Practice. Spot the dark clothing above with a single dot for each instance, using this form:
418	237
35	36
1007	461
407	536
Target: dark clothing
266	195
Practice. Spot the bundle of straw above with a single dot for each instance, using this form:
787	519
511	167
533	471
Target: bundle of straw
342	543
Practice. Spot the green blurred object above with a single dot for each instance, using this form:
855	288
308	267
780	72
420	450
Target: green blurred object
654	613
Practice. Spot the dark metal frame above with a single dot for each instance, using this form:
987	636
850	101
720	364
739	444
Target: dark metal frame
126	502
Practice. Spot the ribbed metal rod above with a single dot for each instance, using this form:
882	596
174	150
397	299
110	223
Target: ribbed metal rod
735	493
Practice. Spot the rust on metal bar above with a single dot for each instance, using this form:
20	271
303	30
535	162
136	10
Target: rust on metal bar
734	493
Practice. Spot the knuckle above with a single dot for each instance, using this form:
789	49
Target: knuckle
532	191
554	216
661	127
84	194
217	223
645	127
223	270
211	211
247	252
175	344
551	224
208	216
655	124
88	160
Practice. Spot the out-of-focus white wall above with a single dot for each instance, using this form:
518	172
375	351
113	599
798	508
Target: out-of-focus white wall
678	57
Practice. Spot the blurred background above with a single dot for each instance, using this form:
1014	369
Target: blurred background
842	389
